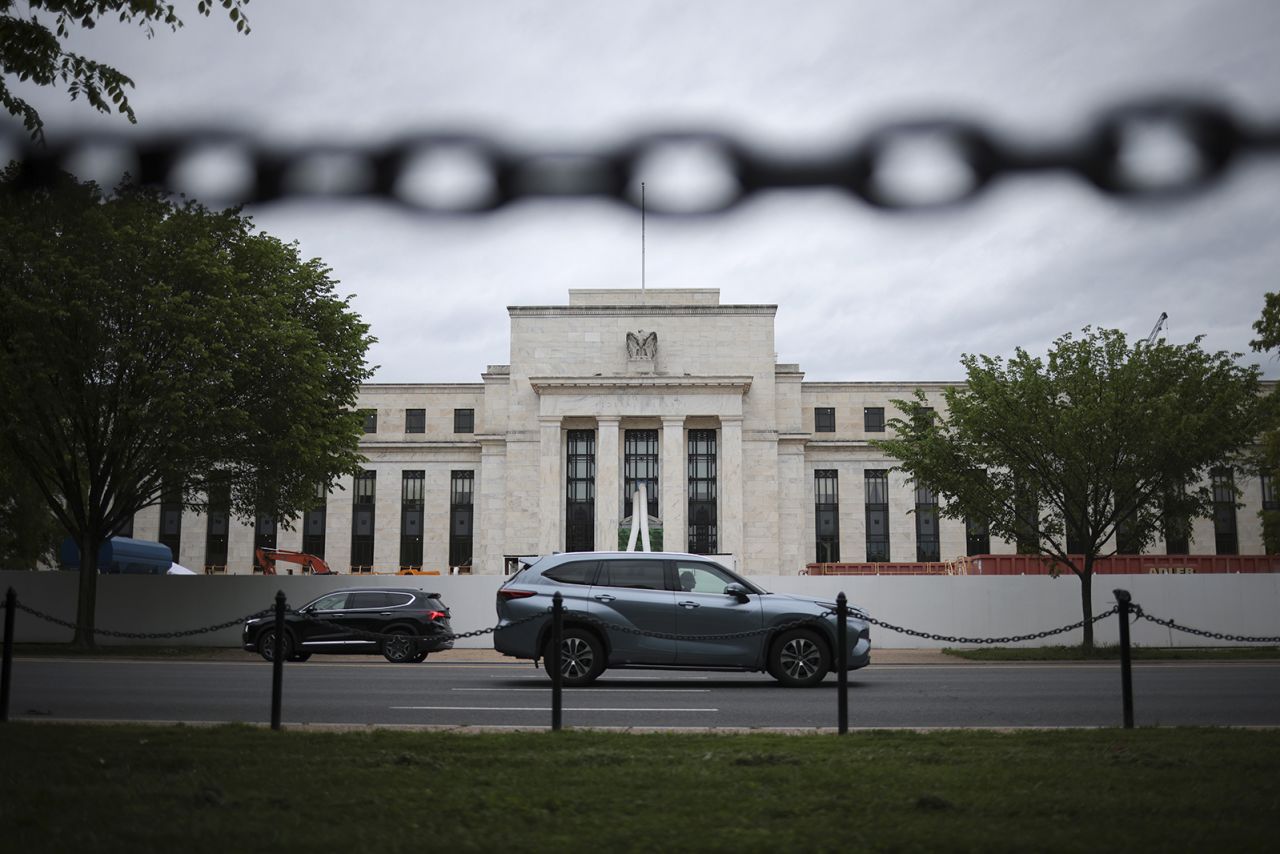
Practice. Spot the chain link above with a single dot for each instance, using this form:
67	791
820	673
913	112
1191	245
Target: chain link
1000	640
424	171
1170	624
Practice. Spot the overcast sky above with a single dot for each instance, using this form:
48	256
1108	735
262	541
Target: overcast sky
861	295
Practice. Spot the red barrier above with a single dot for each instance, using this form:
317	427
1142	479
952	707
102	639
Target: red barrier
1038	565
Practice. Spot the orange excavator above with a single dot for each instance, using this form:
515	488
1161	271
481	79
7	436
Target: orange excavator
310	563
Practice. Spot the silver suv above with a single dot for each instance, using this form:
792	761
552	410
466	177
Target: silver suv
664	610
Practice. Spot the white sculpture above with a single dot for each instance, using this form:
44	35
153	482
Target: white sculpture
642	346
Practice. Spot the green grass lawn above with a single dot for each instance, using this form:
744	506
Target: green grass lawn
1104	653
241	789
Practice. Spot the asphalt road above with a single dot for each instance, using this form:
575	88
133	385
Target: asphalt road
458	693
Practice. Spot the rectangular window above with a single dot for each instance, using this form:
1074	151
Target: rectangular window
412	485
370	420
826	499
464	421
1075	538
1126	542
703	521
923	416
977	536
314	522
217	521
461	515
873	419
363	497
640	467
264	536
824	419
1270	500
171	520
877	485
580	492
1026	525
415	421
1177	534
1224	512
928	545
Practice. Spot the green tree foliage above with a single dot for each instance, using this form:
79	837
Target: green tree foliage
28	530
146	344
1268	329
32	49
1106	436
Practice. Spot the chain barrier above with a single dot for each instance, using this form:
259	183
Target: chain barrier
1001	640
1123	152
148	635
1170	624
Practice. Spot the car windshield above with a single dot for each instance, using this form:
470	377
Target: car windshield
330	602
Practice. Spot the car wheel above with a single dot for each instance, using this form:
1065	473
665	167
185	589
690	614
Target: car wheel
300	656
419	658
799	659
581	658
267	645
401	647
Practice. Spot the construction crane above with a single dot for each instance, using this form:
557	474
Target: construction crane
310	563
1155	330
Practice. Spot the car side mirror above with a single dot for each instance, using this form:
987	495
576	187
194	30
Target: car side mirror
737	591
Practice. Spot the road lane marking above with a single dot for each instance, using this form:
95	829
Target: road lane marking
605	690
532	709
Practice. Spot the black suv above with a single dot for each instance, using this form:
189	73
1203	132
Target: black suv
342	621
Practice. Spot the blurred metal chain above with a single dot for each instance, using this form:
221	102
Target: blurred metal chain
146	635
1153	148
1170	624
1000	640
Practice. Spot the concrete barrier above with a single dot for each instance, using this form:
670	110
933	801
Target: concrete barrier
971	606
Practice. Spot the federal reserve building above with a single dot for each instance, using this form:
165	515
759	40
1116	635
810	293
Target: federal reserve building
668	392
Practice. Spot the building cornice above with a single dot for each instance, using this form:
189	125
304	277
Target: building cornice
642	383
640	310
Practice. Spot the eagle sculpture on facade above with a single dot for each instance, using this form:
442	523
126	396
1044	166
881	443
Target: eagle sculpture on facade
642	345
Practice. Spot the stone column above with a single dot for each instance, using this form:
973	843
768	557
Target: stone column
673	487
551	485
607	483
489	526
730	485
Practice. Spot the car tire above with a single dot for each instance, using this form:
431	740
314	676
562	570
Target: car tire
300	656
581	658
401	647
419	658
267	644
799	659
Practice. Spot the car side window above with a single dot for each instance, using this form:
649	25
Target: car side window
698	577
332	602
576	572
368	599
636	574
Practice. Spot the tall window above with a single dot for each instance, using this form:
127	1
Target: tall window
877	483
580	492
1075	537
1027	524
873	419
415	421
826	499
464	421
362	518
1224	512
461	496
314	522
928	546
370	420
1270	500
412	485
264	536
171	520
703	522
1177	534
824	419
640	467
218	516
1126	539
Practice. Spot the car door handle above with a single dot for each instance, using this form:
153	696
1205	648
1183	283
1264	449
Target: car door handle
687	604
384	613
604	597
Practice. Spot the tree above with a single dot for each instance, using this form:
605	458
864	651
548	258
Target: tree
1111	440
148	346
1268	328
28	531
32	49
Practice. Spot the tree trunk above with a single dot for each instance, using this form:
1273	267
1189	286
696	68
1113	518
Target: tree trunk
1086	603
87	601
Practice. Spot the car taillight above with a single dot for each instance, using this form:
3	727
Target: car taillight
508	593
436	615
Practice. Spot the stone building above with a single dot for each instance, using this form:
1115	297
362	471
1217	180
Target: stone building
667	388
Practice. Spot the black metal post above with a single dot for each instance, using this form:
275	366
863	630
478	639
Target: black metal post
842	662
6	671
557	678
277	661
1126	674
